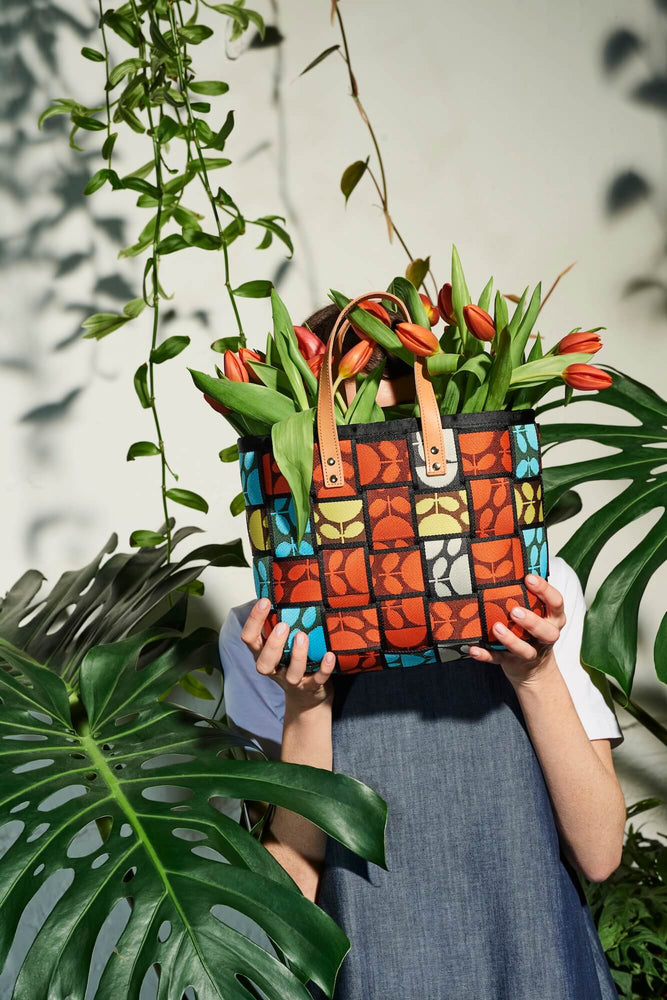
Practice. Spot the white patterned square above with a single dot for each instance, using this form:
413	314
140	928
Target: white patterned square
448	567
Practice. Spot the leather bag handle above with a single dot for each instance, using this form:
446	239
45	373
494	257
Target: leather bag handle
432	434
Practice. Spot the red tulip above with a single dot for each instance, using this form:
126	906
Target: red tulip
586	377
235	370
431	311
479	323
375	309
417	339
309	343
583	341
216	405
445	304
315	364
356	358
246	354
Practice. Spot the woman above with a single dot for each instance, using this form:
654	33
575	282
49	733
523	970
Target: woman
498	775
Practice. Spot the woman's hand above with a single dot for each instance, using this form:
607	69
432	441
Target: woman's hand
524	660
303	690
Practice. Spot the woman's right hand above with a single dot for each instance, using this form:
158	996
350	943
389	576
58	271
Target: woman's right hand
304	690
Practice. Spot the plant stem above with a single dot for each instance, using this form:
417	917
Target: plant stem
639	713
106	73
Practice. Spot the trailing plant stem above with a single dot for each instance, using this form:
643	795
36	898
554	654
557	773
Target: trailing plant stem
106	73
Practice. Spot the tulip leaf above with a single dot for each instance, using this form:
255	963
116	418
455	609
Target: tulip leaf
352	175
374	327
452	395
475	400
460	296
444	364
272	377
500	374
187	498
407	292
536	372
517	315
282	329
249	400
362	409
520	338
479	366
500	316
292	443
485	298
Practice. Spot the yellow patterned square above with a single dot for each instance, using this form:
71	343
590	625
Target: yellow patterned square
528	502
442	513
258	529
339	521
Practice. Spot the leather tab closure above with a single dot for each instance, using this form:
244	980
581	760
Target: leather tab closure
432	432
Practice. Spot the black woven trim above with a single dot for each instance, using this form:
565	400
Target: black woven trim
387	430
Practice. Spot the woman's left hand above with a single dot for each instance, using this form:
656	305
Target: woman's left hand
524	660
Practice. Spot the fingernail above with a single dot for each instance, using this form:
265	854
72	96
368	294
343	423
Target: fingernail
474	651
282	628
518	612
500	628
531	578
264	604
300	639
328	659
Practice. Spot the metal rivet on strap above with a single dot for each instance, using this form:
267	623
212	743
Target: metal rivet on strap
331	461
434	450
333	479
436	465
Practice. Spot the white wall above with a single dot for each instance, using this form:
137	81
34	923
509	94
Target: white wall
500	133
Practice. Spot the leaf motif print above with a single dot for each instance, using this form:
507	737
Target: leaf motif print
390	516
383	462
339	521
442	513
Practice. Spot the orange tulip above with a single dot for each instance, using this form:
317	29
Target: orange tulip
479	323
445	306
586	377
246	354
431	311
235	370
583	341
356	358
315	364
216	405
417	339
375	309
309	343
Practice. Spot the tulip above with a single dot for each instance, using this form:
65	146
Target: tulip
356	359
216	405
417	339
375	309
431	311
583	341
479	323
315	364
235	370
246	354
445	306
309	343
586	377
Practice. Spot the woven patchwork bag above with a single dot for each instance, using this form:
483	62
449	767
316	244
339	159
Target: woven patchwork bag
420	531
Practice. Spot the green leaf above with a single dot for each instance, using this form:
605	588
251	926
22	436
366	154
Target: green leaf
292	443
352	175
194	687
211	87
134	183
374	327
485	298
146	539
193	34
200	239
254	289
362	409
62	106
500	375
172	243
517	315
406	291
102	324
500	317
318	59
417	270
187	498
124	27
520	339
88	123
141	385
283	329
535	372
124	69
99	179
460	296
444	364
93	54
274	378
167	129
248	399
230	454
169	349
237	505
134	307
226	344
140	449
276	230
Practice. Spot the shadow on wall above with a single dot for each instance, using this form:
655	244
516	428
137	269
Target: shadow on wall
628	54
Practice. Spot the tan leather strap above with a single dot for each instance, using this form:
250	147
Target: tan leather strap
330	454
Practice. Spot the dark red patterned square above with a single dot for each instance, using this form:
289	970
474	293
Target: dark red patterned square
397	573
404	622
269	624
492	505
497	560
485	452
498	603
297	581
349	487
390	515
275	483
354	662
383	462
353	630
455	619
346	577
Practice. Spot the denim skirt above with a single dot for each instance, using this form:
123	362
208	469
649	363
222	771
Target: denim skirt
479	902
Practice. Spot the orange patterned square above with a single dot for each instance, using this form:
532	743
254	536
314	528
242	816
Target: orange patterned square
492	504
353	630
455	619
485	452
397	573
404	622
383	462
390	515
497	560
345	577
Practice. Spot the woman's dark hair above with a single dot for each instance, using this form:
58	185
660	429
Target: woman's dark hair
322	322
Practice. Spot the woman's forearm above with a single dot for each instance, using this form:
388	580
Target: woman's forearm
296	843
587	799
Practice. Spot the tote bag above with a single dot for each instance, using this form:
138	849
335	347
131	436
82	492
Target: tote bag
420	530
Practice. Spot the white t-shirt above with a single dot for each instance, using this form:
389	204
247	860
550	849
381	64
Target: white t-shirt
256	703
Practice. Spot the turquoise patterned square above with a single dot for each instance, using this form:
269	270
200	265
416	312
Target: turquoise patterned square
261	571
250	482
283	530
526	450
308	620
535	541
410	659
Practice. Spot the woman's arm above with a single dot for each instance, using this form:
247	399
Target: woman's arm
586	796
296	843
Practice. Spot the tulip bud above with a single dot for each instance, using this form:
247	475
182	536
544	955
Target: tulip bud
417	339
309	343
246	354
375	309
583	341
479	323
356	359
216	405
431	311
445	304
315	364
586	377
235	370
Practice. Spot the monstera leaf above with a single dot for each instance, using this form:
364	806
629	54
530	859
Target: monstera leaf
113	796
610	628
